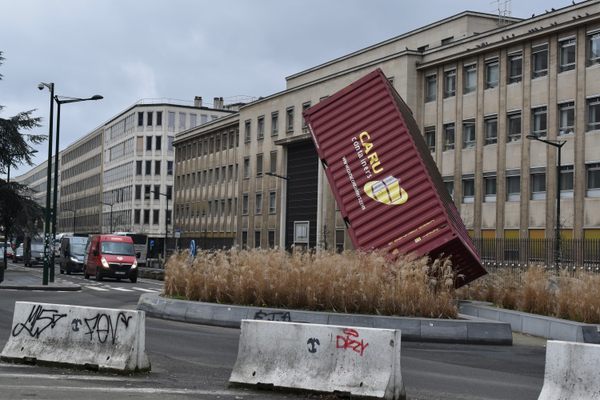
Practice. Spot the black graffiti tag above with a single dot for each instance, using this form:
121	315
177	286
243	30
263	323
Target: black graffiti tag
313	343
75	324
38	321
273	316
102	326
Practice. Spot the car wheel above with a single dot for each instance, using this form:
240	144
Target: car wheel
85	274
133	279
69	272
98	275
62	271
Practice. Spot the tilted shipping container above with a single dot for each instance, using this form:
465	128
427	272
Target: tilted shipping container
385	182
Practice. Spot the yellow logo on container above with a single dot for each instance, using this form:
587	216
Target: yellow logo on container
388	191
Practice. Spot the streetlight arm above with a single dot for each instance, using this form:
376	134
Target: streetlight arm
67	99
555	143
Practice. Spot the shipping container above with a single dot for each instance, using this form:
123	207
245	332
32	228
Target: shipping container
386	184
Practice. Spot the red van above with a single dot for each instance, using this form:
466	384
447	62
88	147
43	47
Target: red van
110	256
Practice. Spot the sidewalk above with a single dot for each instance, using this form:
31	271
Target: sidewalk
17	277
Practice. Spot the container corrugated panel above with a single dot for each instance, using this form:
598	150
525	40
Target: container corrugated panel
386	183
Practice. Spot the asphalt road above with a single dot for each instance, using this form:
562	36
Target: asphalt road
194	361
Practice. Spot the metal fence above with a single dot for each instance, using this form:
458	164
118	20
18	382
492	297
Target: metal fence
582	254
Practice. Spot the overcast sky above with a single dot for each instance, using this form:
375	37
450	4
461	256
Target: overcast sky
127	50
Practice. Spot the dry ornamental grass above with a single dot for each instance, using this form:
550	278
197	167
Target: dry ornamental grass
350	282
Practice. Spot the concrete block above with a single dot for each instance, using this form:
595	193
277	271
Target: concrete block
571	371
410	327
323	358
365	321
227	315
102	338
153	304
559	330
489	333
311	317
175	310
443	330
533	325
515	319
198	313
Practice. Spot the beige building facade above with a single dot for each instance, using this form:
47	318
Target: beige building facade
478	86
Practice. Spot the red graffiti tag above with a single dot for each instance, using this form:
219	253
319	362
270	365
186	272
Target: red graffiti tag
350	341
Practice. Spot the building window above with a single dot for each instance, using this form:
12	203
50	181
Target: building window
169	167
149	118
468	190
170	143
449	83
468	134
301	232
182	117
257	239
148	143
193	120
169	192
514	127
159	118
171	121
155	217
539	60
567	55
490	189
593	180
470	78
449	184
538	186
593	114
566	181
157	167
513	188
515	68
258	203
244	239
259	164
138	168
246	167
245	204
491	130
491	73
136	216
271	239
430	88
448	137
273	164
138	192
158	143
539	123
274	123
447	40
566	118
289	119
146	192
156	192
140	118
260	127
247	131
430	138
272	202
305	106
146	216
593	48
148	167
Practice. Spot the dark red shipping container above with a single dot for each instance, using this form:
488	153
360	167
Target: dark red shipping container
384	179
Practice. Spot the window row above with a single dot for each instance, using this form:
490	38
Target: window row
82	167
145	168
91	145
539	67
76	205
143	217
258	203
259	164
274	127
214	208
79	186
209	176
119	195
208	145
257	239
153	191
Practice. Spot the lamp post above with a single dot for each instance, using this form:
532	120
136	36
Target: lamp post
558	144
74	212
59	101
166	221
111	207
47	218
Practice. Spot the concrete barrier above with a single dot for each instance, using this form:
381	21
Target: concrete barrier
323	358
96	338
571	371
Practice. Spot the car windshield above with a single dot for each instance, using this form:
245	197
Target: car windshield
125	249
37	246
77	249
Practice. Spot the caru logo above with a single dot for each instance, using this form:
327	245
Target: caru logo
388	191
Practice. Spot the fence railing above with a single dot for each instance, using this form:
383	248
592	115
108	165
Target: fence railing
573	254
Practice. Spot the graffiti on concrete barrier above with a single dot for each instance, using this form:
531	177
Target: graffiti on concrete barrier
273	316
102	326
312	344
350	341
38	321
75	324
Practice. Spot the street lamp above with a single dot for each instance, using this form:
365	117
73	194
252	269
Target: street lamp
74	212
59	101
166	221
111	207
558	144
50	87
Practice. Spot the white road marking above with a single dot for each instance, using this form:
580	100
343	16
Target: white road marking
132	390
73	377
145	290
121	289
97	288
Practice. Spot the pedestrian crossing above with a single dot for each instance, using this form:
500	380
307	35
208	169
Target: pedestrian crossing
108	288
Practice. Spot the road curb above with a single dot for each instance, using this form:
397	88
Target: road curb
70	288
466	331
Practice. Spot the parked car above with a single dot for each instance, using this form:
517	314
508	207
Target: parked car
72	254
18	256
9	250
110	256
36	255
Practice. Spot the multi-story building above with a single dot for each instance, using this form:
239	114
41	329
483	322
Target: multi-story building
478	86
36	179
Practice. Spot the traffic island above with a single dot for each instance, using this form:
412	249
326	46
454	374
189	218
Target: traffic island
467	331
